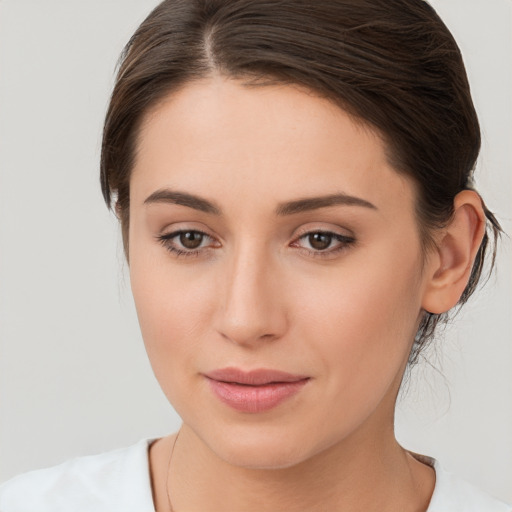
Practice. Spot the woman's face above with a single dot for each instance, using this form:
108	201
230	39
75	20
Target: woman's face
268	232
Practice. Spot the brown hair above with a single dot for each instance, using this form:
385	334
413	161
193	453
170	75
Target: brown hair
391	63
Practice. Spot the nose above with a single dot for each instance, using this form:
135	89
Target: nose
250	307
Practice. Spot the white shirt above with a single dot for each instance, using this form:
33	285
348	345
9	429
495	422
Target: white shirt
119	481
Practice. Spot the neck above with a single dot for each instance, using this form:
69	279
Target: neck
349	476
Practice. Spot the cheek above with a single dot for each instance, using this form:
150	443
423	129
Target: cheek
174	309
359	323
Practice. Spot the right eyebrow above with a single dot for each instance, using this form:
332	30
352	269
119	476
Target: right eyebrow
166	195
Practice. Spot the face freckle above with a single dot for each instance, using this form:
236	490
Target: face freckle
232	169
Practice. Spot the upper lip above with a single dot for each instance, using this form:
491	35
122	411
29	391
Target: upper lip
256	377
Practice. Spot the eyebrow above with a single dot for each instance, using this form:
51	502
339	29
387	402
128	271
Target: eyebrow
287	208
314	203
182	198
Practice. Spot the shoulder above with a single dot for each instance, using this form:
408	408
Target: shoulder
117	480
453	494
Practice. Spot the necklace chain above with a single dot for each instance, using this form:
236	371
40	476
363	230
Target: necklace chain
167	478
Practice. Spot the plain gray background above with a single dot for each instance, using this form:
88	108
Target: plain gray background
74	378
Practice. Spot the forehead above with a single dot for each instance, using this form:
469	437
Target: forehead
217	135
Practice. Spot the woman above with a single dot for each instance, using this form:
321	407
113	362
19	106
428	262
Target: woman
294	186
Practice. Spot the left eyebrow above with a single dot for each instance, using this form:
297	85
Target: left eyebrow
314	203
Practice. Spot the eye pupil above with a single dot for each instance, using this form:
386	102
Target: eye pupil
320	241
191	239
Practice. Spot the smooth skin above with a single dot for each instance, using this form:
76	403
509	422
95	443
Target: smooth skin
240	274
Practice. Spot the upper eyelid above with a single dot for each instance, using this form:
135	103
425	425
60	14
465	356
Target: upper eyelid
173	234
176	232
299	234
336	236
327	230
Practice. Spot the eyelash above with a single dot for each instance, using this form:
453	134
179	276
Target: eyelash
166	241
344	243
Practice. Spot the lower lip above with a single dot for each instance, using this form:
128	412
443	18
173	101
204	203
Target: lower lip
255	398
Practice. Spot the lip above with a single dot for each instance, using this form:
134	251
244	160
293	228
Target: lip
256	390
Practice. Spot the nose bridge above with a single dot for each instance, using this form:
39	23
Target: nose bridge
249	306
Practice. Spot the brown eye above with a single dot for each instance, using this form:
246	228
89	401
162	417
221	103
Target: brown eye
191	239
320	241
326	244
189	242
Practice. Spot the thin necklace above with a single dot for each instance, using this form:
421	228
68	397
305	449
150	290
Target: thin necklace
169	472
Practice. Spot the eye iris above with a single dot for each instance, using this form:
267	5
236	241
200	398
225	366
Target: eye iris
191	239
320	241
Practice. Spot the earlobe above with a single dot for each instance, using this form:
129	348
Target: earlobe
450	267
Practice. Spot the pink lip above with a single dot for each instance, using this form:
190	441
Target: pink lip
254	391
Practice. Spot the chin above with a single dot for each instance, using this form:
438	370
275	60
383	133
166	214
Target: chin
261	448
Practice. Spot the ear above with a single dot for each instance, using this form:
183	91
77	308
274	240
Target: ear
450	264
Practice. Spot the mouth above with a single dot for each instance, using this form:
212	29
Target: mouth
254	391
